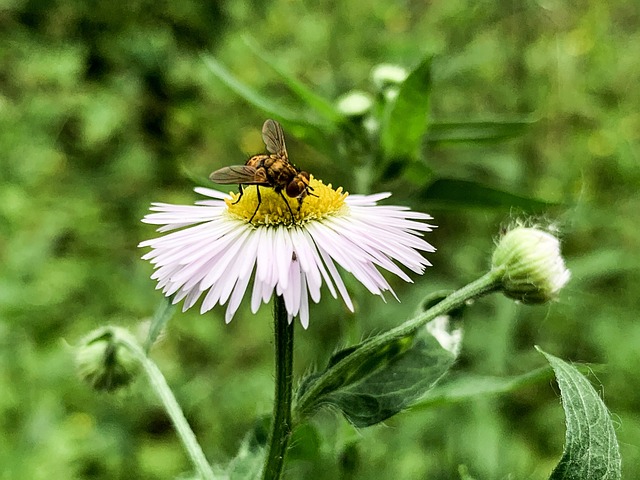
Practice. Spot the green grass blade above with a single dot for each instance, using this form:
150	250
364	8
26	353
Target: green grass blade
319	104
453	193
474	132
161	317
271	108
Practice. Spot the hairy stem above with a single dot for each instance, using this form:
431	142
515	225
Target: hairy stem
485	284
281	422
160	386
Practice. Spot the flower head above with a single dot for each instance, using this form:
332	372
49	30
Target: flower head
355	103
221	245
385	75
534	271
103	361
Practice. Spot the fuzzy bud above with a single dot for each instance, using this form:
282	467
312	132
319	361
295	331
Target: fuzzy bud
104	362
534	270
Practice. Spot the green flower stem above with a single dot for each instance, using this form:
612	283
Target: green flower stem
485	284
281	422
159	385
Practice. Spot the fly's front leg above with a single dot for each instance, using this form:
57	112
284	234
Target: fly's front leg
258	206
241	193
289	206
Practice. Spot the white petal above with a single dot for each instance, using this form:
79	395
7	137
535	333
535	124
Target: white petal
210	252
304	303
321	268
336	278
226	258
283	255
210	192
236	297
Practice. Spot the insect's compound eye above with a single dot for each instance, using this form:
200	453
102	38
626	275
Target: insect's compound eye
295	188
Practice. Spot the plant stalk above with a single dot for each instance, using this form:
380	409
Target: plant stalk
281	426
160	386
489	282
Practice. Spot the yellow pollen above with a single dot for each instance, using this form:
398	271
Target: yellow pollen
321	201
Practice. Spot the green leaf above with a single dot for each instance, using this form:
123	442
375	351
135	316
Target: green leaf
392	378
195	178
319	104
453	193
162	315
247	464
306	443
465	387
463	471
250	95
312	133
465	132
591	449
249	461
406	120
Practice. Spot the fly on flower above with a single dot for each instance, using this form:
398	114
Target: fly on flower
270	170
225	246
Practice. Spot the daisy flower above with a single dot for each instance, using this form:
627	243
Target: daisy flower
230	243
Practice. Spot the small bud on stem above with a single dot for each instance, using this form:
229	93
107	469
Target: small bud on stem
534	270
103	362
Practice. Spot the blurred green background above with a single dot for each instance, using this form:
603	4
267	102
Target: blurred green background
107	106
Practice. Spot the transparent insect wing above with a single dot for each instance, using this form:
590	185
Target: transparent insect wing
236	174
273	137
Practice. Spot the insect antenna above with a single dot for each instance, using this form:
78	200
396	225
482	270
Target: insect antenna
310	191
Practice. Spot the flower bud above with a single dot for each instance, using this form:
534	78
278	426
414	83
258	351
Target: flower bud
387	75
355	104
534	271
103	360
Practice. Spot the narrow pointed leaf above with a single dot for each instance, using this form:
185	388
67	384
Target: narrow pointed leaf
311	133
467	132
407	119
268	106
319	104
453	193
591	449
162	315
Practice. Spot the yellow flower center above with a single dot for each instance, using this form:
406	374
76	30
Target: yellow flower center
321	201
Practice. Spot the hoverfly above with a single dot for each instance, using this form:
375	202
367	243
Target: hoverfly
268	170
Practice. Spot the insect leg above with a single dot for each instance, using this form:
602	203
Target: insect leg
259	202
241	193
289	206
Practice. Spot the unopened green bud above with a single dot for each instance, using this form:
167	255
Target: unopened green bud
355	104
104	361
534	271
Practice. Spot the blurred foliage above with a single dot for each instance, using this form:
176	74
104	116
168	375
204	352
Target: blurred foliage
105	105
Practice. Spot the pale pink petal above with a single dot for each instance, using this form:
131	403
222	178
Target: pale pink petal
209	252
